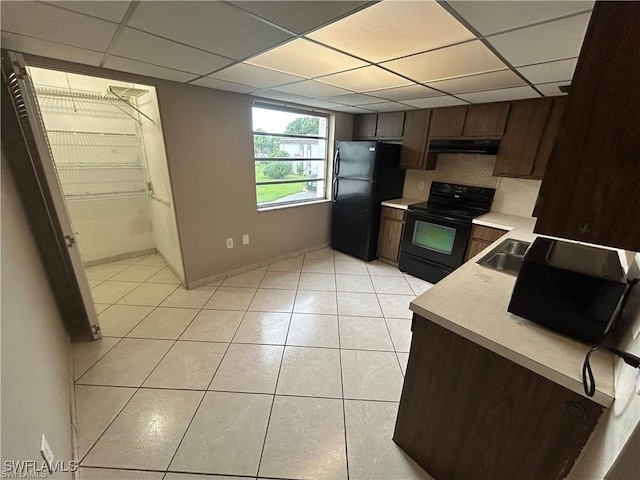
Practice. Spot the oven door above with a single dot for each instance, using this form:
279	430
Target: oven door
436	239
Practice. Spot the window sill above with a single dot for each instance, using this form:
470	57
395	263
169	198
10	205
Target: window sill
293	205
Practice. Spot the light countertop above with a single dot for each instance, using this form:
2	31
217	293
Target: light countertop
472	302
401	203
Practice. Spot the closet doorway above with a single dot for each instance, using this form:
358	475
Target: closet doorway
108	149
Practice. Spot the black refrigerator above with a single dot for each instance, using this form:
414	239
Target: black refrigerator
364	175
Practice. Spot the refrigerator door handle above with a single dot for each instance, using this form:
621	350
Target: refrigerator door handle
336	163
335	190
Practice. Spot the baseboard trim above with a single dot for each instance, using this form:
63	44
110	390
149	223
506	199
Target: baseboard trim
124	256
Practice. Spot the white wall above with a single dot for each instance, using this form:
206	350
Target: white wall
162	204
36	372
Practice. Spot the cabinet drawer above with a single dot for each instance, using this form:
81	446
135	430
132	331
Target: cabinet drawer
394	213
488	234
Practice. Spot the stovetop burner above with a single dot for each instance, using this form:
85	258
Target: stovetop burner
459	201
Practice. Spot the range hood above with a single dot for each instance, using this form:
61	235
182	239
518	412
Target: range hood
478	147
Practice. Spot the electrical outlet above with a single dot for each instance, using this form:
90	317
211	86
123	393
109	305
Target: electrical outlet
45	450
229	242
245	239
420	185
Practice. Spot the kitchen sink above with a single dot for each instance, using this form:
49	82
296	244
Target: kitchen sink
506	257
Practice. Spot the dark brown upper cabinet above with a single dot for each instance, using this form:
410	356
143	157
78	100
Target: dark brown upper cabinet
590	188
364	126
486	120
414	141
390	125
447	122
548	137
520	142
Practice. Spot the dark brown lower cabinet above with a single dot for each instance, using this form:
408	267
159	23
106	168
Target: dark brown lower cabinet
469	413
390	235
481	237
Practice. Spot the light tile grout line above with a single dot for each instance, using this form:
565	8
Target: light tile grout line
344	409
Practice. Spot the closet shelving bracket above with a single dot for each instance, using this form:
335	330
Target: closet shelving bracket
126	94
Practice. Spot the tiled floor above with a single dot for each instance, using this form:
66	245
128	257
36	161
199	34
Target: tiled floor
291	372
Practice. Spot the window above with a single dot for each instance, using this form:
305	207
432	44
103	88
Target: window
290	152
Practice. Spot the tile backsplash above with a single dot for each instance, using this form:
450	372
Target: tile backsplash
514	196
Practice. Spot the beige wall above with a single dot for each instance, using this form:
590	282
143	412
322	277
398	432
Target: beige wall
35	346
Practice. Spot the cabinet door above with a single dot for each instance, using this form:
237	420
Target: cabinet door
590	187
488	120
447	122
519	145
390	236
414	139
548	137
481	238
364	126
390	124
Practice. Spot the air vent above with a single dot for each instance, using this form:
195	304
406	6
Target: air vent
564	88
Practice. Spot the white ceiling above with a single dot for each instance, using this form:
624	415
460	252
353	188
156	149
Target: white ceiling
346	56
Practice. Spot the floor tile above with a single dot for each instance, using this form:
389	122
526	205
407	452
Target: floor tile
305	440
263	328
310	372
314	265
372	452
164	323
164	276
403	358
316	302
127	364
400	330
194	298
351	268
392	285
291	265
418	285
343	257
364	333
213	326
267	300
317	281
136	273
101	307
283	280
310	330
153	259
249	369
354	283
159	419
358	304
111	292
118	320
88	473
86	352
371	375
322	254
94	283
226	435
248	279
396	306
231	298
217	283
380	268
151	294
130	260
188	365
104	272
96	407
194	476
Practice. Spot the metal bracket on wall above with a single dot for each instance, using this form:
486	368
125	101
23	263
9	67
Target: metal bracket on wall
70	240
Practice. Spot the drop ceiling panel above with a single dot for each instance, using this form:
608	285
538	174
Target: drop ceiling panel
298	17
141	68
406	93
111	10
347	109
389	30
320	103
222	85
497	16
356	99
389	107
255	76
305	58
435	102
212	26
459	60
516	93
282	96
476	83
551	89
148	48
311	88
47	22
550	41
34	46
365	79
550	72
